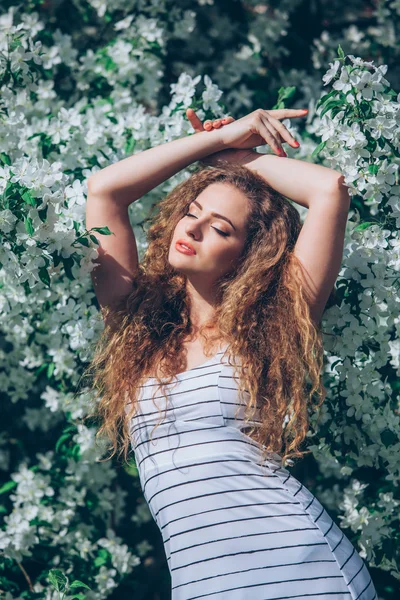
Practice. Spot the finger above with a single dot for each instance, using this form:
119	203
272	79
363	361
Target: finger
194	120
285	134
288	113
272	135
208	125
220	122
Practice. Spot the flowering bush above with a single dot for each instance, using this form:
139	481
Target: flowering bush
71	105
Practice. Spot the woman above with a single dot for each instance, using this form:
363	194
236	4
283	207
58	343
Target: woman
217	333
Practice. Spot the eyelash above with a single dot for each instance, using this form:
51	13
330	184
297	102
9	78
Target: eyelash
188	214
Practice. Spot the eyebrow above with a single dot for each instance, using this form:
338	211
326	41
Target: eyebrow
214	214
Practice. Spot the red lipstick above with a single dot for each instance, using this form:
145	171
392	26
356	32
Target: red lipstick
180	245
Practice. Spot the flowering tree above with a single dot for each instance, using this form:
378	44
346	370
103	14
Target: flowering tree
71	102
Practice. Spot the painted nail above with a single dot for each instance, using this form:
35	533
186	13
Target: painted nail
296	144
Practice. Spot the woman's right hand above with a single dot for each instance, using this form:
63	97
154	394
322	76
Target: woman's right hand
261	127
230	154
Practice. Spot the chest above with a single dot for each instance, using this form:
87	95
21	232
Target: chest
194	356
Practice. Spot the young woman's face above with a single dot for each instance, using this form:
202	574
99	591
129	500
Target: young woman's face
218	242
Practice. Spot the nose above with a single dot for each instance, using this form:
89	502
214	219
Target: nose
192	229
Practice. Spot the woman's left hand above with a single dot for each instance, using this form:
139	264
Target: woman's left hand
231	154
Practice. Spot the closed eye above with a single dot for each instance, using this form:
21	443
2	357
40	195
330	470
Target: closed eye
220	232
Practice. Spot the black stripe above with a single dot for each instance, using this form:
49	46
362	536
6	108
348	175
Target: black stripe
198	403
199	464
235	537
346	561
237	521
145	426
308	595
229	491
309	504
203	479
244	587
360	569
329	528
196	514
319	515
339	542
168	435
301	486
367	586
199	444
303	562
196	562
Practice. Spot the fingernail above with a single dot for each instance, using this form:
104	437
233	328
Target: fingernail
296	144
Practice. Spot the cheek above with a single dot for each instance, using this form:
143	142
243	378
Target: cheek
224	253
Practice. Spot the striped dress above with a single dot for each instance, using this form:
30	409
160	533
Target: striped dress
232	529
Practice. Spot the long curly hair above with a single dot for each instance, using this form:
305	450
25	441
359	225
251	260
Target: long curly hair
261	311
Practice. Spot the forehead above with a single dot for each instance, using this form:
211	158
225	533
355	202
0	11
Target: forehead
227	200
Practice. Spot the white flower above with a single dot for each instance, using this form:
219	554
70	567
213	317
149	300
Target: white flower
330	74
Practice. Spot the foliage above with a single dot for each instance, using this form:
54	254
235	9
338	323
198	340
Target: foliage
86	83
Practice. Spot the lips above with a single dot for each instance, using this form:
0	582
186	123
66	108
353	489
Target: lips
188	244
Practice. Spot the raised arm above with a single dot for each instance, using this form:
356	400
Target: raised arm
131	178
320	244
114	188
296	179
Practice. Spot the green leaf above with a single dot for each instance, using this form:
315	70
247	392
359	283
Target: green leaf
84	241
340	52
94	239
61	440
44	276
76	452
364	225
318	149
102	230
373	169
325	97
28	226
58	579
43	214
6	487
389	438
78	583
381	142
68	263
50	370
102	557
130	145
284	93
330	105
389	547
5	159
28	198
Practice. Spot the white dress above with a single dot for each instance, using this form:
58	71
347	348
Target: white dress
231	529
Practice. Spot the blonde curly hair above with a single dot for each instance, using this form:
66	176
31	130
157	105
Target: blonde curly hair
261	311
